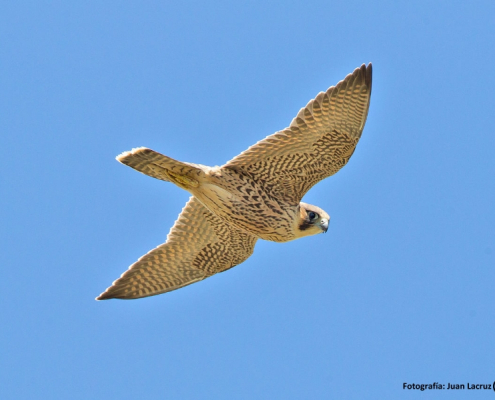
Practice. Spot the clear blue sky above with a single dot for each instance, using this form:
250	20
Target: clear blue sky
399	290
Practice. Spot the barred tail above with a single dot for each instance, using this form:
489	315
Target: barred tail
156	165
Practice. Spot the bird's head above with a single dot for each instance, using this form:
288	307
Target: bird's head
311	220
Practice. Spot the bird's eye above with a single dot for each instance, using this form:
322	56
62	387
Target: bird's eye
312	215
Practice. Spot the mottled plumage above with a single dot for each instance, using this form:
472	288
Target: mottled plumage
256	195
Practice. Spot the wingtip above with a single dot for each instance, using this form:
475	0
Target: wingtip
369	74
366	72
108	294
103	296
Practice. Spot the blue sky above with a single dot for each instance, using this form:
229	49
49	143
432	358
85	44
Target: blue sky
399	290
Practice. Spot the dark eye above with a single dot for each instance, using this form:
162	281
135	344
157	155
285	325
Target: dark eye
312	215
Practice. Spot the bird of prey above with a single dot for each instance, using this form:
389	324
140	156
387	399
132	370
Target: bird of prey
256	195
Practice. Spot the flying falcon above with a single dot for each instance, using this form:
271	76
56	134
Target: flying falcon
256	195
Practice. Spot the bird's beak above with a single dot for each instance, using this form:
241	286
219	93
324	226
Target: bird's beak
324	225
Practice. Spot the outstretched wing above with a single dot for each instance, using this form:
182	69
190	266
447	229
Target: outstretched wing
318	142
199	245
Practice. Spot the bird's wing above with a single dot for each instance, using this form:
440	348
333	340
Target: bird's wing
199	245
318	142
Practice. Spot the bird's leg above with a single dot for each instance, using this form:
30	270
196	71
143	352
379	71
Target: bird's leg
183	181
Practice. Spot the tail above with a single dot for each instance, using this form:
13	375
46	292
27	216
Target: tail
156	165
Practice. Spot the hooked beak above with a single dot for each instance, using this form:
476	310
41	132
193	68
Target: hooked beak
324	225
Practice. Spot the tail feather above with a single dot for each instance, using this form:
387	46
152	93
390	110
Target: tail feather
156	165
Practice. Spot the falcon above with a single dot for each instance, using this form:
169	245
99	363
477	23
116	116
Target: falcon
256	195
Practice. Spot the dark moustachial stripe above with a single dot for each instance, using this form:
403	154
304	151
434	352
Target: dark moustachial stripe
305	225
